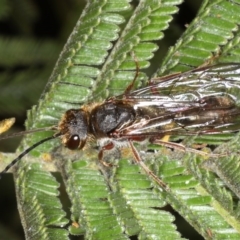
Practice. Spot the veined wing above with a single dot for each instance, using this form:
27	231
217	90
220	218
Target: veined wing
201	101
195	84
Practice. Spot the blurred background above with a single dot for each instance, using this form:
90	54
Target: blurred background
32	35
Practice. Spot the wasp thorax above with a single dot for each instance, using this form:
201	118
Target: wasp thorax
74	128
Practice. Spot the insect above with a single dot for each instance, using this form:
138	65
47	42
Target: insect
201	101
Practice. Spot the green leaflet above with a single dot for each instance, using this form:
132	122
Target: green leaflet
122	201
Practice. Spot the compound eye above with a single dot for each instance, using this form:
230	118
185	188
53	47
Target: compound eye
73	142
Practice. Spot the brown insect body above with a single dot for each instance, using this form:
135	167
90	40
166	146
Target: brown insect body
202	101
124	120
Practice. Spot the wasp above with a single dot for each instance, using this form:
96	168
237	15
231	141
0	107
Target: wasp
198	102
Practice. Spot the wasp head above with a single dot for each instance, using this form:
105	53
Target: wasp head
74	128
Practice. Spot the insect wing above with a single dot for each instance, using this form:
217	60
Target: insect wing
195	84
201	101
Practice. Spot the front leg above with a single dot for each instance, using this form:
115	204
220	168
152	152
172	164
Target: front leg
109	151
106	147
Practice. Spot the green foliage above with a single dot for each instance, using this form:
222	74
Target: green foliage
121	201
41	207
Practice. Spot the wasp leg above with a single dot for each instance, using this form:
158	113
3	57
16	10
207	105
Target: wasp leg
107	147
131	85
182	148
139	161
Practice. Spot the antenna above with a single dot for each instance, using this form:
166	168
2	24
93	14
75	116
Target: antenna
7	123
52	128
27	150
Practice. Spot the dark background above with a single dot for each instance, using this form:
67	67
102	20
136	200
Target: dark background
32	34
